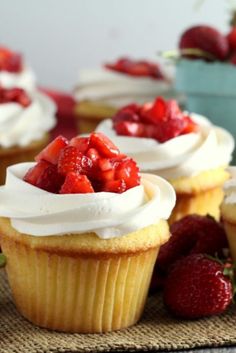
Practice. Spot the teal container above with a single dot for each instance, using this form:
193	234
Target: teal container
210	90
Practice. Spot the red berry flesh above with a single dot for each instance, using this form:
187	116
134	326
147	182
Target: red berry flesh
76	184
103	145
52	151
10	61
14	95
196	287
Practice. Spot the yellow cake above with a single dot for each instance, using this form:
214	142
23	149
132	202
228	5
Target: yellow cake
228	211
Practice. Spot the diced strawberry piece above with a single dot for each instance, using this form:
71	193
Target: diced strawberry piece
10	61
76	184
71	160
104	164
168	129
52	151
155	112
93	154
191	126
128	128
127	113
50	180
105	175
35	172
82	143
117	186
128	171
103	145
16	95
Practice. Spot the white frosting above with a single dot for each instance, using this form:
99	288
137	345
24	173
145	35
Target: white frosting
230	187
38	212
24	79
183	156
117	89
19	126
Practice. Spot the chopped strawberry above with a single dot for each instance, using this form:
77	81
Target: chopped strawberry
52	151
139	68
50	180
82	143
197	286
71	160
128	171
76	184
231	37
105	164
161	120
10	61
103	145
128	128
33	174
16	95
117	186
93	154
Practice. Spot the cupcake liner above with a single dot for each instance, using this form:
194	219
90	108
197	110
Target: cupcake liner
79	294
203	203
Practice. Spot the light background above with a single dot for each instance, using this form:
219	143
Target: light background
59	37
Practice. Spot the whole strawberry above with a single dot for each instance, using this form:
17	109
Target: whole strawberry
206	39
197	287
190	235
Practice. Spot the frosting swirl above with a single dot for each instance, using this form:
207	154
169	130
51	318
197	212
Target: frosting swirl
116	89
183	156
19	126
24	79
37	212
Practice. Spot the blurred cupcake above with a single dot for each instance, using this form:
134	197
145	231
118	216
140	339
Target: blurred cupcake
101	92
228	211
186	149
25	121
14	72
81	235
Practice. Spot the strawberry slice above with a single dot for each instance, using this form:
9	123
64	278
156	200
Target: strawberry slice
128	128
50	180
72	160
52	151
93	154
128	113
76	184
117	186
10	61
103	145
82	143
33	174
128	171
16	95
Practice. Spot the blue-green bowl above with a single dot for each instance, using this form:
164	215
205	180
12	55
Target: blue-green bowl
210	90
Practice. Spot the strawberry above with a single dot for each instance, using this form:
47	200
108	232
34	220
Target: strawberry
35	172
76	184
117	186
139	68
52	151
161	120
197	287
231	37
207	39
190	235
16	95
82	143
103	145
82	165
50	180
71	160
10	61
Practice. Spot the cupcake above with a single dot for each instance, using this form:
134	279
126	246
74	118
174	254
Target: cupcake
14	72
186	149
25	121
228	211
81	231
101	92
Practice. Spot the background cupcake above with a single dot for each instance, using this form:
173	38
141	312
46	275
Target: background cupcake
14	72
82	260
186	149
101	92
